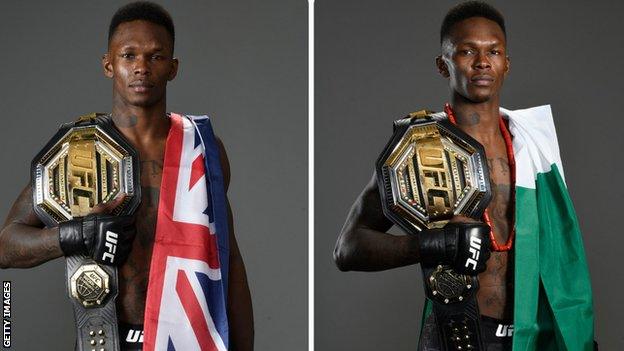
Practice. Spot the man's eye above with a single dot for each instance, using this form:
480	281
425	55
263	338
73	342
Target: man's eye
126	56
157	57
495	52
466	52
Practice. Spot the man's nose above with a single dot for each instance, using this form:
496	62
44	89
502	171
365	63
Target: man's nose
482	61
141	66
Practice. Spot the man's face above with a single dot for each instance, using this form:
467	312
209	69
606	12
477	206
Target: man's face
474	58
140	62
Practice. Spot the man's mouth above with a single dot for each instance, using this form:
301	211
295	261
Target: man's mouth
482	80
141	86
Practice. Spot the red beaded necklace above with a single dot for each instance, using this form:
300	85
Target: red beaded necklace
512	166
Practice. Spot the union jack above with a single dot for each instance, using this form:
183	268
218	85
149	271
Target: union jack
187	289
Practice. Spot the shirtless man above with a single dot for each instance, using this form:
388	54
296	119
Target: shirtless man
140	63
475	62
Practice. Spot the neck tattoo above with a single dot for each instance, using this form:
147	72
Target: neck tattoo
471	120
125	121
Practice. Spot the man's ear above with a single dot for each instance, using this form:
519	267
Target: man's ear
507	64
174	69
442	67
107	66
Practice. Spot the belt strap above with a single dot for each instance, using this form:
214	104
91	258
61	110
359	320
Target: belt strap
455	308
93	289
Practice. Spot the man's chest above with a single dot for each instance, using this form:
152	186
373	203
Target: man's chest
500	209
147	213
495	294
133	275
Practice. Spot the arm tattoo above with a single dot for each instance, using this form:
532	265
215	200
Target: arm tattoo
23	240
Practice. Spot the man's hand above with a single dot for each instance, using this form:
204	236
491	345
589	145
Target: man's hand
463	244
100	235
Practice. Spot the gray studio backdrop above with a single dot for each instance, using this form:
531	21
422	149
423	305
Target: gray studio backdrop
375	63
244	63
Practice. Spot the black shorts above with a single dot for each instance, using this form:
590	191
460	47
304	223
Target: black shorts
130	336
497	334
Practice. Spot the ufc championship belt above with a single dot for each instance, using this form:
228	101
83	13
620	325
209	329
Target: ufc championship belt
86	163
428	172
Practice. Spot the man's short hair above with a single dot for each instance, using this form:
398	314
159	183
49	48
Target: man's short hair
142	10
467	10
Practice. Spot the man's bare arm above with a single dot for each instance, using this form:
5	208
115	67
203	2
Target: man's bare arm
240	310
24	242
364	245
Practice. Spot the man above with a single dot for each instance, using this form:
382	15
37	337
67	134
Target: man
523	286
140	63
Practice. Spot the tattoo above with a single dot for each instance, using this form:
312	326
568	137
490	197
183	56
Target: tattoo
500	211
26	246
133	290
22	211
23	241
146	222
151	167
134	274
125	122
496	266
150	195
490	163
496	299
496	292
503	165
471	120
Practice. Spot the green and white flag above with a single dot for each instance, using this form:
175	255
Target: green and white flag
552	298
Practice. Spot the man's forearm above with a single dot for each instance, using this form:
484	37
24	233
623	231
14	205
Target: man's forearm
364	245
24	246
363	249
240	312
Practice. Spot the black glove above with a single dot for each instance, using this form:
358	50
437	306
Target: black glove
105	238
464	246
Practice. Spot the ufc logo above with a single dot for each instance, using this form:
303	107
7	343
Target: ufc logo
504	330
111	246
134	336
433	171
475	251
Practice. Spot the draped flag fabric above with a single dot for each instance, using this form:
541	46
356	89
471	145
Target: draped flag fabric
187	289
552	292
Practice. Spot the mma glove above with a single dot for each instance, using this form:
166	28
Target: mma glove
463	246
105	238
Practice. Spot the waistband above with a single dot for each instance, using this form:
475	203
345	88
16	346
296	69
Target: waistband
495	330
131	336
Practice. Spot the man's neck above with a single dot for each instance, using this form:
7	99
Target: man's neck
479	120
141	125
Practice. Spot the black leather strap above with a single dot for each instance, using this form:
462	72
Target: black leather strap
96	327
458	320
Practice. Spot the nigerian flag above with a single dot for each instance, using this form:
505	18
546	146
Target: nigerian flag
552	298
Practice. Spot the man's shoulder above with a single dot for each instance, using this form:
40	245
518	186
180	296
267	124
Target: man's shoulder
534	139
533	117
195	118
